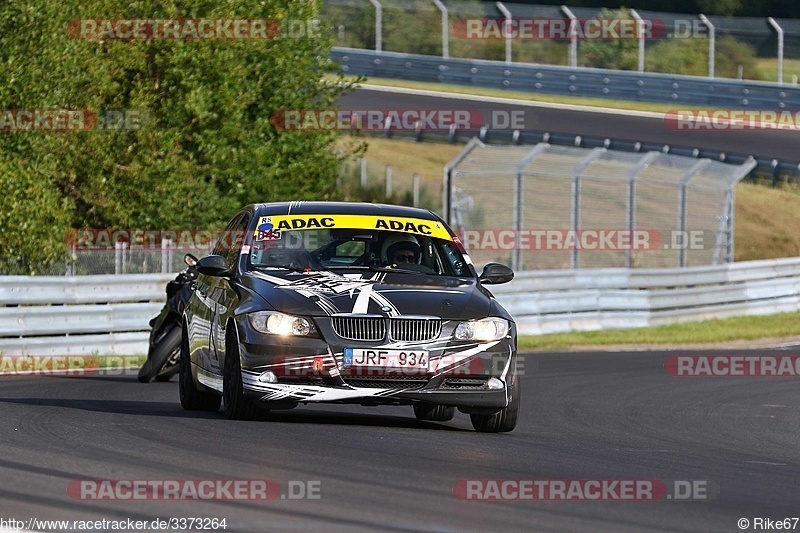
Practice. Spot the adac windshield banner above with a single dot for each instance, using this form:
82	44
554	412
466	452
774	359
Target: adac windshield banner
270	227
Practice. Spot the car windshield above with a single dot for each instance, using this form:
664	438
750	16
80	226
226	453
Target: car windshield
326	248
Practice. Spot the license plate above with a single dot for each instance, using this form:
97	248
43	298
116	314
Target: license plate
373	358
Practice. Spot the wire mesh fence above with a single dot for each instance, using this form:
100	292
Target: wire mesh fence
551	207
122	258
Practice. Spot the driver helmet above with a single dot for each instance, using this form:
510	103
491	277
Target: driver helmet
399	248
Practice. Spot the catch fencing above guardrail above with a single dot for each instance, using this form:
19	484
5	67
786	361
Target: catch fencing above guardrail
549	204
584	82
109	315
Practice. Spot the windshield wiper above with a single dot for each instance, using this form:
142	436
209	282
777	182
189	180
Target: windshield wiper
396	269
284	267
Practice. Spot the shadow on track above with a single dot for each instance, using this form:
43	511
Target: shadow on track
173	410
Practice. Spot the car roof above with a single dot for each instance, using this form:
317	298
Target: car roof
349	208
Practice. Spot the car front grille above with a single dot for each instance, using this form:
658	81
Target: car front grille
368	328
414	329
359	329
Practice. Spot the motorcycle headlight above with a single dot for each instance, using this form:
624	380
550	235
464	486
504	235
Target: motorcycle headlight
485	329
276	323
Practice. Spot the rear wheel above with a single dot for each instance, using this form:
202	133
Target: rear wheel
433	412
234	402
503	420
158	360
192	398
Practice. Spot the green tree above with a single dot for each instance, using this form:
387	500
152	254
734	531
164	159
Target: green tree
619	54
206	144
690	56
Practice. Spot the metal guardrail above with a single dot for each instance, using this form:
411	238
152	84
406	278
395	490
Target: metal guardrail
541	301
79	315
578	81
593	299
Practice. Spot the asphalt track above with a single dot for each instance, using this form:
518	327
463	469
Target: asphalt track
779	144
584	416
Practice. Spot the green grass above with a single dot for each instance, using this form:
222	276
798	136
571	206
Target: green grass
768	68
706	332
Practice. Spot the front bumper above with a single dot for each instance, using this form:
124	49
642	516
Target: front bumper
302	369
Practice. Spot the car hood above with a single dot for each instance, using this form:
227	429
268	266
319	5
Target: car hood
323	293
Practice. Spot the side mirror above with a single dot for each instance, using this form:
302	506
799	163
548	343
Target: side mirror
214	265
190	260
495	273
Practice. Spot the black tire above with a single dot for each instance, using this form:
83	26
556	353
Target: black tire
502	421
153	368
193	399
432	412
234	402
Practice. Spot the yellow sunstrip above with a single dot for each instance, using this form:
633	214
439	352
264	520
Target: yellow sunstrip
274	224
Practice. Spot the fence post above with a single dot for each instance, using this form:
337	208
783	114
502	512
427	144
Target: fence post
779	30
166	256
363	172
447	186
416	190
640	28
118	257
507	25
378	26
388	181
445	29
711	44
574	260
516	259
573	36
631	201
682	208
73	260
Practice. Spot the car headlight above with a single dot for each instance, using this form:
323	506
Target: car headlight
276	323
485	329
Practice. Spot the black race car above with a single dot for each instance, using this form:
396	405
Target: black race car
348	303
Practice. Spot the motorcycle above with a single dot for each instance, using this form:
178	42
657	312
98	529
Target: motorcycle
163	354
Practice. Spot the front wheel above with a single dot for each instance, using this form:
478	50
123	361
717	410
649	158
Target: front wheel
158	360
193	399
234	402
503	420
